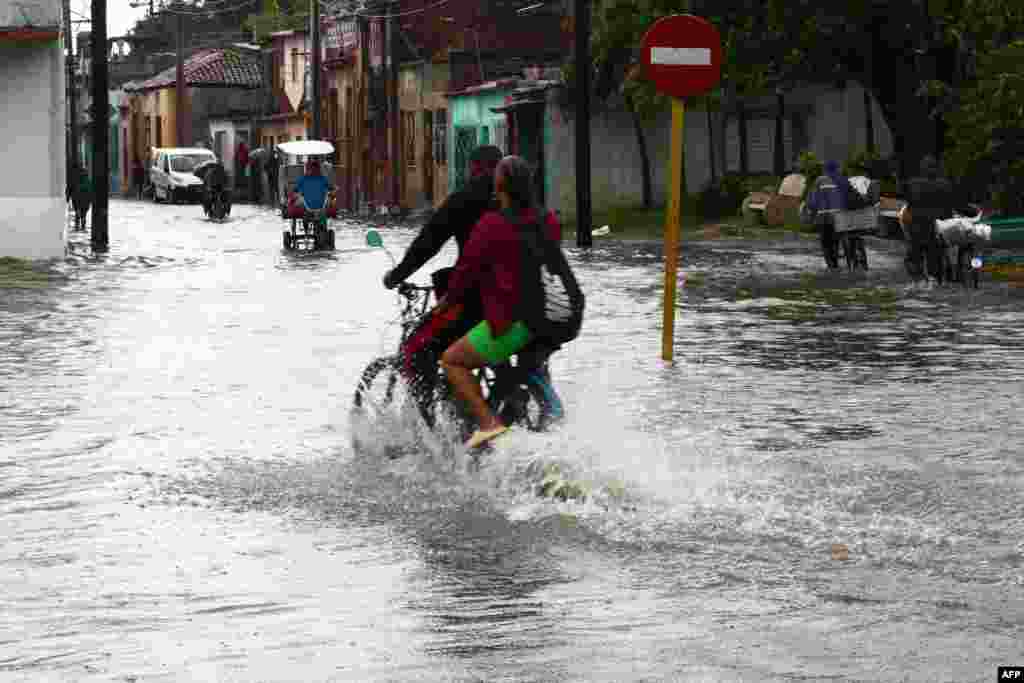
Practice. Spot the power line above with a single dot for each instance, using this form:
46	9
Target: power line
360	13
200	12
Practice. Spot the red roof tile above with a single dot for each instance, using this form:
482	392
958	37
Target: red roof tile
233	68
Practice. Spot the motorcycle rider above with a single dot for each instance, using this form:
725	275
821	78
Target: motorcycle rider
456	217
930	197
215	182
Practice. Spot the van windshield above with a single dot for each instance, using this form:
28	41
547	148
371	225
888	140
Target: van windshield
186	162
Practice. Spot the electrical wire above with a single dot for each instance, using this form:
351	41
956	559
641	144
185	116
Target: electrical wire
396	15
200	12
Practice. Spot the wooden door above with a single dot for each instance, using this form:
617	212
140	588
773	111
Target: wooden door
428	156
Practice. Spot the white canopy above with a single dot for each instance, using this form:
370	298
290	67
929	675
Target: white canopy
305	148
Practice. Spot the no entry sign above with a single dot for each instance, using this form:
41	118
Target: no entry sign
682	55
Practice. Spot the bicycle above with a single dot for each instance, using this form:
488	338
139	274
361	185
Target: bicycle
520	394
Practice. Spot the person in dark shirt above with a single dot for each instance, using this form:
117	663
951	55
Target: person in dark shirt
215	180
930	197
456	217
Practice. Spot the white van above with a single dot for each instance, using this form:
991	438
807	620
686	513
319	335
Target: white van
171	173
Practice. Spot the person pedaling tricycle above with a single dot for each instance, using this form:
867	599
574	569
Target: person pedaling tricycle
499	270
312	194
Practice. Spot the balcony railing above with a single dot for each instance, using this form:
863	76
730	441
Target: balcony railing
30	14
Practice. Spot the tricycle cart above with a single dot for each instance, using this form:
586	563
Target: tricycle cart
311	229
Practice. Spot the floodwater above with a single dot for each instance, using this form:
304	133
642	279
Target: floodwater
179	500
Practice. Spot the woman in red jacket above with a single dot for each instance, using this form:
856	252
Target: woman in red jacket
491	261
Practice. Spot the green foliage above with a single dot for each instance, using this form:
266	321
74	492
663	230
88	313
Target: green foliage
809	166
986	133
861	162
274	17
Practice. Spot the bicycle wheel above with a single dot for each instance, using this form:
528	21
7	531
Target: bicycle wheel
374	399
523	404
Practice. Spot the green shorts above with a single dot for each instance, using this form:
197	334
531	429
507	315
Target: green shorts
497	351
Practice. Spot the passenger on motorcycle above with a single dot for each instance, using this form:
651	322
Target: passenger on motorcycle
311	189
215	182
491	262
456	218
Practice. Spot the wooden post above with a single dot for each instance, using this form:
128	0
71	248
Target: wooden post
315	67
179	87
672	226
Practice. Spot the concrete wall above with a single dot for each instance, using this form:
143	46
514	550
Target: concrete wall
32	182
835	126
211	103
616	170
37	13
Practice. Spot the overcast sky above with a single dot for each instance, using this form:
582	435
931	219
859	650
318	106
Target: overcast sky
121	16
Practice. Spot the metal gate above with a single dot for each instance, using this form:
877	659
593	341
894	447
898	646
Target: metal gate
465	143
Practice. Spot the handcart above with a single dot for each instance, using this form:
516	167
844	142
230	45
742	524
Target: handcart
852	225
962	238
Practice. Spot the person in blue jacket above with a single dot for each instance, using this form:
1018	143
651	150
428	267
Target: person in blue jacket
830	194
312	188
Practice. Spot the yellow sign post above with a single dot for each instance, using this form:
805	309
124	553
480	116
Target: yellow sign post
682	56
673	227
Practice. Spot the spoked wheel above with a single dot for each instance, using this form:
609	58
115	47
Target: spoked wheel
860	253
524	405
375	395
966	273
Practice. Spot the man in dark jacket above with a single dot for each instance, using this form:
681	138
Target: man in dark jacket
930	197
456	218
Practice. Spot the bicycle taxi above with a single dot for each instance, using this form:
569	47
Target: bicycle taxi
309	226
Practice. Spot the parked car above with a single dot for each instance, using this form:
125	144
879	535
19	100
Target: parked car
172	177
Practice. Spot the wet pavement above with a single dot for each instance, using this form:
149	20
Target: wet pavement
180	501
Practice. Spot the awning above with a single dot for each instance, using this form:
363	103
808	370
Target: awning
519	104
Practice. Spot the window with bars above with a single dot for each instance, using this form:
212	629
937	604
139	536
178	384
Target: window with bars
409	137
441	137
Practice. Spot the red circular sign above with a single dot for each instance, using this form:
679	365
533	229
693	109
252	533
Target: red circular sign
682	55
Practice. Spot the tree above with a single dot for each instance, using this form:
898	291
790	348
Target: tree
913	56
278	15
986	131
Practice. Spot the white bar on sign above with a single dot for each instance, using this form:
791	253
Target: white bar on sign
681	56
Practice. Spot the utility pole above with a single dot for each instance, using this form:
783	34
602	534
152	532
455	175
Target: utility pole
71	86
361	120
584	219
315	14
179	87
393	111
100	237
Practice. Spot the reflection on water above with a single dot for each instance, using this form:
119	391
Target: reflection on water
180	500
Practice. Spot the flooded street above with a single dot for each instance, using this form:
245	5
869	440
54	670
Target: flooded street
180	502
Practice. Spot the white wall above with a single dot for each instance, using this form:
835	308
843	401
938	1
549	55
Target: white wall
32	206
